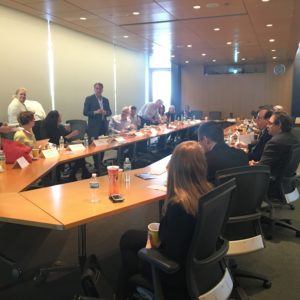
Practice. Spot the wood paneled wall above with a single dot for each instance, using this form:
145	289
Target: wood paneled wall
239	94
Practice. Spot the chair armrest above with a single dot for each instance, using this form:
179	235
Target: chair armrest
216	256
244	218
157	259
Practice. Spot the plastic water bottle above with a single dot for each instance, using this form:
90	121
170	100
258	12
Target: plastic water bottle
2	161
61	144
126	169
94	186
86	140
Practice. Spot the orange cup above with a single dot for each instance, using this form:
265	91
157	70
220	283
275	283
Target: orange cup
35	153
113	182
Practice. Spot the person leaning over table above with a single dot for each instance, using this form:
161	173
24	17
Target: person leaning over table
149	113
97	109
52	129
276	150
186	184
255	149
26	135
218	154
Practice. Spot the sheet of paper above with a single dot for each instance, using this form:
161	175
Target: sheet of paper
120	139
138	133
100	142
157	187
76	147
246	138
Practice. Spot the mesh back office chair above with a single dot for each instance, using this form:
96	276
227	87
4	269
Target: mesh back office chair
197	114
80	125
215	115
288	192
207	276
243	229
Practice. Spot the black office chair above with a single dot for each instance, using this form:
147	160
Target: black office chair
287	192
205	270
215	115
243	229
80	125
197	114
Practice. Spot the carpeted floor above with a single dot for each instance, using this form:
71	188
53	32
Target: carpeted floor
34	247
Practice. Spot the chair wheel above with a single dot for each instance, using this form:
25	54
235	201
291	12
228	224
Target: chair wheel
16	273
267	284
40	278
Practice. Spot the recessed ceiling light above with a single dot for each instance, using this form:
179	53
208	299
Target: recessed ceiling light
229	43
214	60
274	57
265	0
269	25
237	52
196	7
187	61
243	58
217	29
172	55
189	46
82	18
125	36
203	54
273	50
271	40
136	13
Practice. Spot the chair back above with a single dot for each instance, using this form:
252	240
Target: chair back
197	114
205	266
80	125
288	188
244	210
215	115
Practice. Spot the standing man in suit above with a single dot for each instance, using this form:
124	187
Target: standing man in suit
218	154
97	109
277	149
256	149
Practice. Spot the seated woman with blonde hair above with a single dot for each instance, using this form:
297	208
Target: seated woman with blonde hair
26	136
185	186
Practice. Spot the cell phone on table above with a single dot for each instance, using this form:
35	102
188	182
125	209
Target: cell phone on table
115	198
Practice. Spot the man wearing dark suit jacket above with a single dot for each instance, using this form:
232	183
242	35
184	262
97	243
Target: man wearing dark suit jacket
255	150
277	149
96	108
218	154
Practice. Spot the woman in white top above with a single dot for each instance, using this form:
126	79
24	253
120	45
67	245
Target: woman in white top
17	105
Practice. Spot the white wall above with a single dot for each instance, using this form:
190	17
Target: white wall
79	62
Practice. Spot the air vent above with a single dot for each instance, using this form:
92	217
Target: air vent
234	69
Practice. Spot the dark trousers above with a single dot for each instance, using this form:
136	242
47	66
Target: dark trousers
131	242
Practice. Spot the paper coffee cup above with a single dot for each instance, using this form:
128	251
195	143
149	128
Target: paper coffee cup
35	153
153	229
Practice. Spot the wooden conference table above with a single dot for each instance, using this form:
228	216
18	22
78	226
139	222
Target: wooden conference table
16	180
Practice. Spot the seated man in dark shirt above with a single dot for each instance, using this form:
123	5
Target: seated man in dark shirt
256	149
218	154
277	149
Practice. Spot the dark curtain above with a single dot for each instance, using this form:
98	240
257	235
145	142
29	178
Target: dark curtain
176	87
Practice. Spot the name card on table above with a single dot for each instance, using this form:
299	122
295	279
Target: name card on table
100	142
138	133
20	163
50	153
120	139
76	147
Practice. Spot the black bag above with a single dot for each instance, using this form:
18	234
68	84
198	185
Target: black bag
91	277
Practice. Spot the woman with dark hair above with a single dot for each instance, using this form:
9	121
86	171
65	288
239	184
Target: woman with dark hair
52	129
26	135
186	184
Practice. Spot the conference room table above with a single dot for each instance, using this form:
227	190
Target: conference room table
16	179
